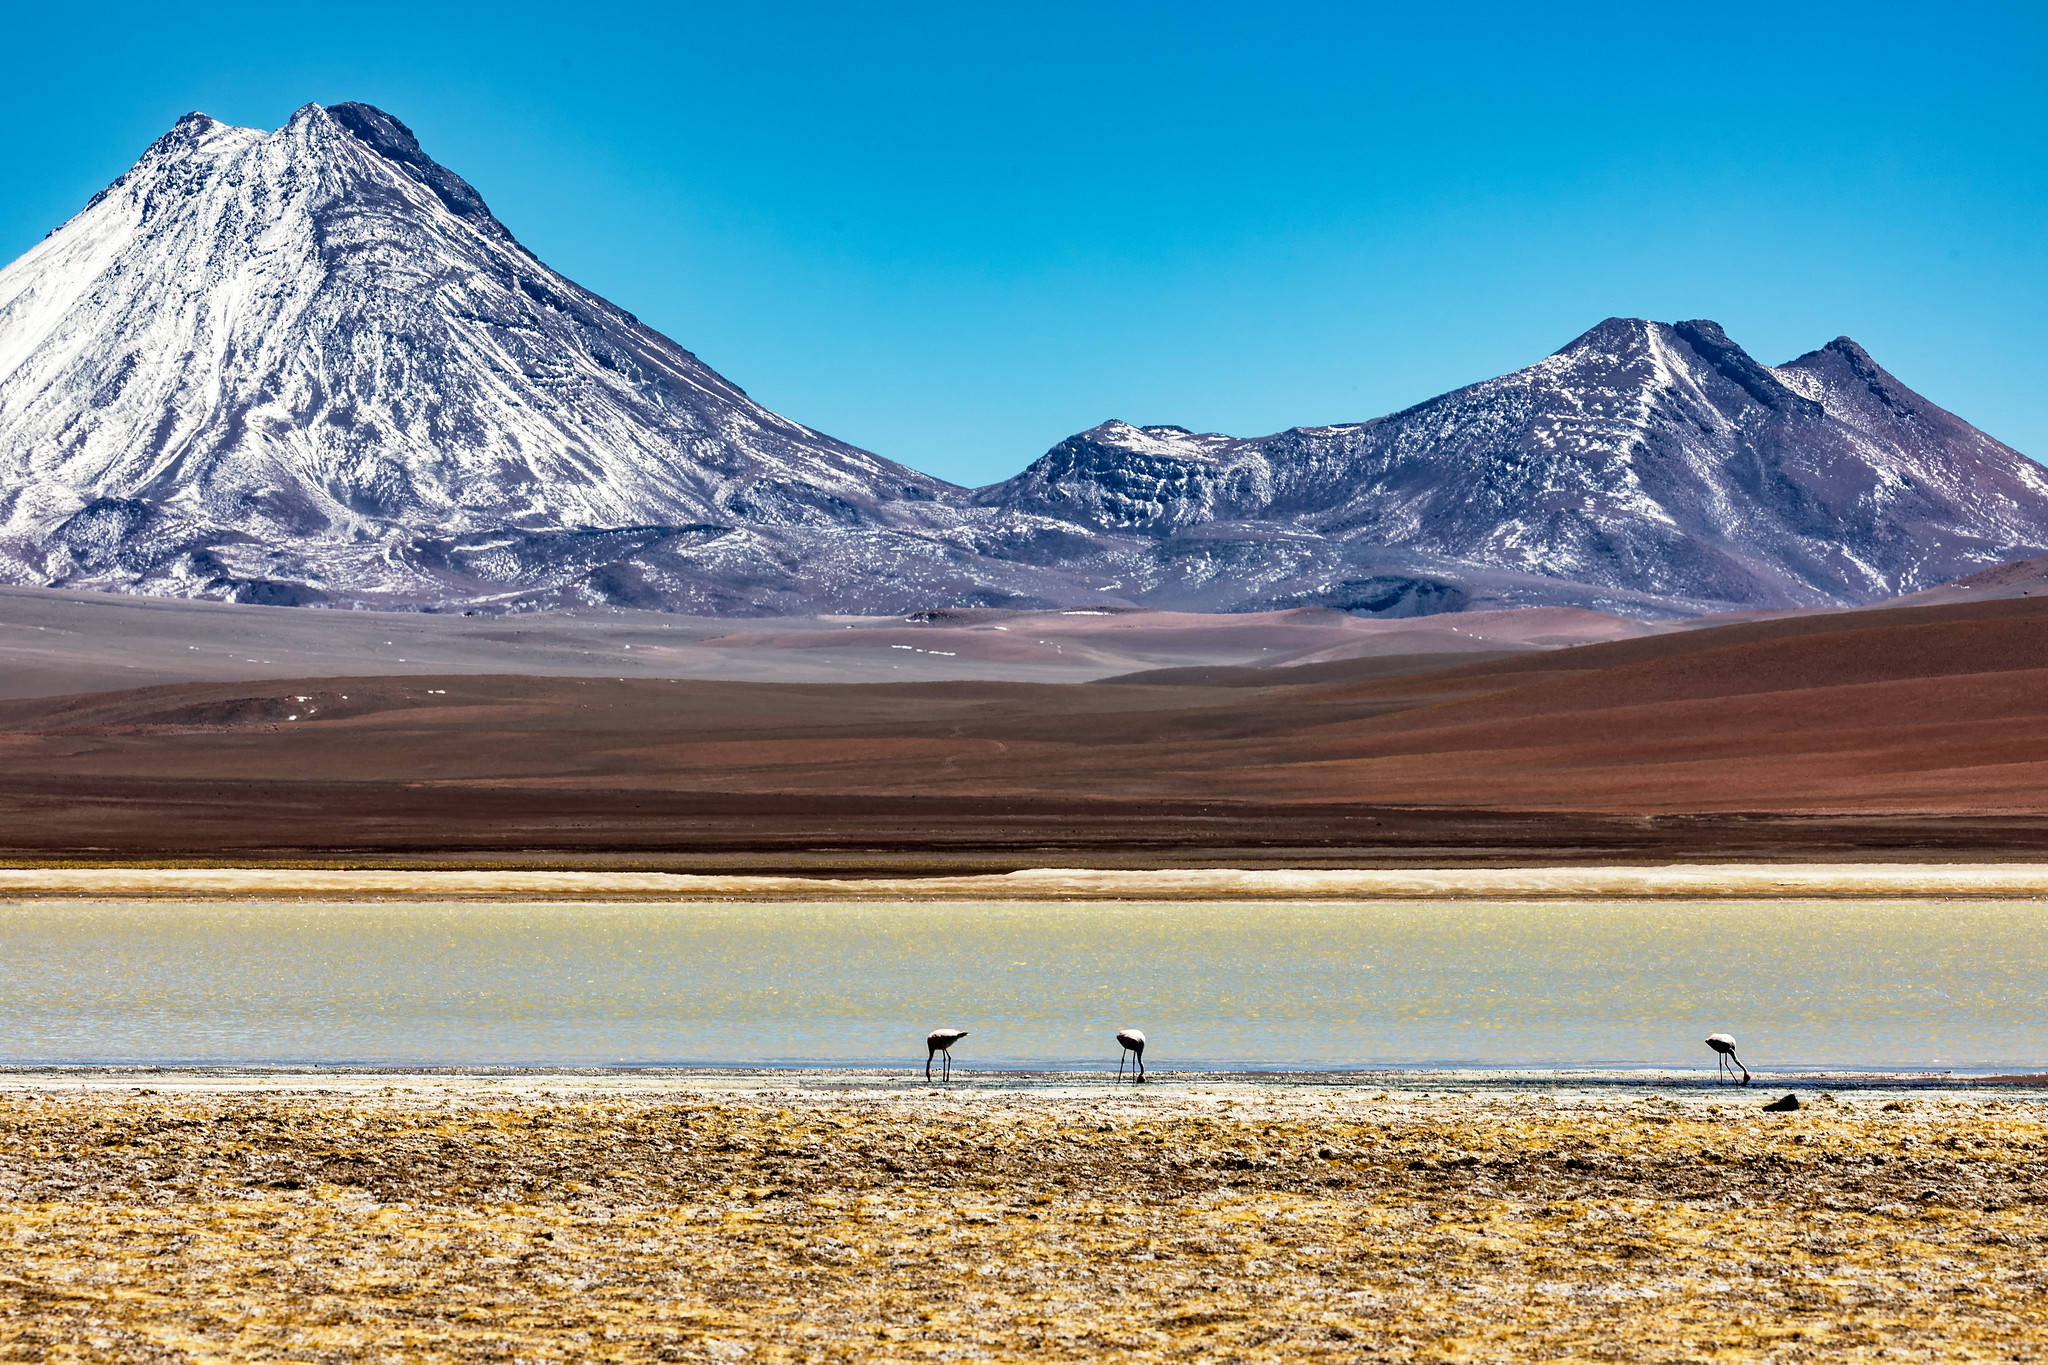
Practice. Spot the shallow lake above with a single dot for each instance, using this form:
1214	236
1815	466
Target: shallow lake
1894	985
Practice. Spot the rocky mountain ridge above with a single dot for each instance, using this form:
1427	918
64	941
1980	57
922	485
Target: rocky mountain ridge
310	366
1643	457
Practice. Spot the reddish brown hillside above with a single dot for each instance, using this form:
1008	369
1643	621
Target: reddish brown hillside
1898	730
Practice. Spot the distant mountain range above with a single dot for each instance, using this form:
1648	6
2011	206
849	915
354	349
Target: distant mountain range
310	366
1651	462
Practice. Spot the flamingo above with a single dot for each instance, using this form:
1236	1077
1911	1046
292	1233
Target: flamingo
941	1040
1724	1049
1133	1042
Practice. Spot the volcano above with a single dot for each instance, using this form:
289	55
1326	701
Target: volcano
310	366
1645	466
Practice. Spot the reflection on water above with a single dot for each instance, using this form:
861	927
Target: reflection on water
1898	984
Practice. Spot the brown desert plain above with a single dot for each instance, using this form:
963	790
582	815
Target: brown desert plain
344	1216
1911	732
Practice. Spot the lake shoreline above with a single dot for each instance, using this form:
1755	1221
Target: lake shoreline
1663	881
823	1081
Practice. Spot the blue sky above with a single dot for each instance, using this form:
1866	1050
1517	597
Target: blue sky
957	234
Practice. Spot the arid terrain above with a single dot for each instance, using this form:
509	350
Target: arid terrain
1913	732
564	1223
54	642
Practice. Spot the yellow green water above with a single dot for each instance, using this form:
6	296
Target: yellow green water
1889	985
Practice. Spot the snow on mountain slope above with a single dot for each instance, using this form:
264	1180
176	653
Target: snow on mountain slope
310	364
1643	460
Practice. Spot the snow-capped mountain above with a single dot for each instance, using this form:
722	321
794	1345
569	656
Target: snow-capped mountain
1643	460
309	365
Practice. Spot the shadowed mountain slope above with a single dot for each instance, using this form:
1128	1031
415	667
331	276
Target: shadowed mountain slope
309	366
1643	461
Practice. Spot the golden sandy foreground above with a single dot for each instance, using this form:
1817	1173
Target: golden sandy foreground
473	1225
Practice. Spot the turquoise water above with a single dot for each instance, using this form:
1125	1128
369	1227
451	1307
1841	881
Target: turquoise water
1894	985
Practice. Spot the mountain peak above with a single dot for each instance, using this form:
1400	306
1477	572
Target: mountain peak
1647	351
1842	352
1611	335
1847	348
1705	330
397	144
1157	439
1625	336
1645	460
378	130
191	132
307	364
1851	380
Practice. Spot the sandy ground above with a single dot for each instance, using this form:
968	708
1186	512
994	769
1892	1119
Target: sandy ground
560	1221
1919	734
54	642
1723	881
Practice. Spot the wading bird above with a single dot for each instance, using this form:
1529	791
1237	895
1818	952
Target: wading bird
1724	1053
940	1041
1133	1042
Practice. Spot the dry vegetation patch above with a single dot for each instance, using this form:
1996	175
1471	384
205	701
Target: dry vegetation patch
991	1225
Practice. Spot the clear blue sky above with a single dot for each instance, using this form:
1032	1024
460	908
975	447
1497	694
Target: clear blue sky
956	234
